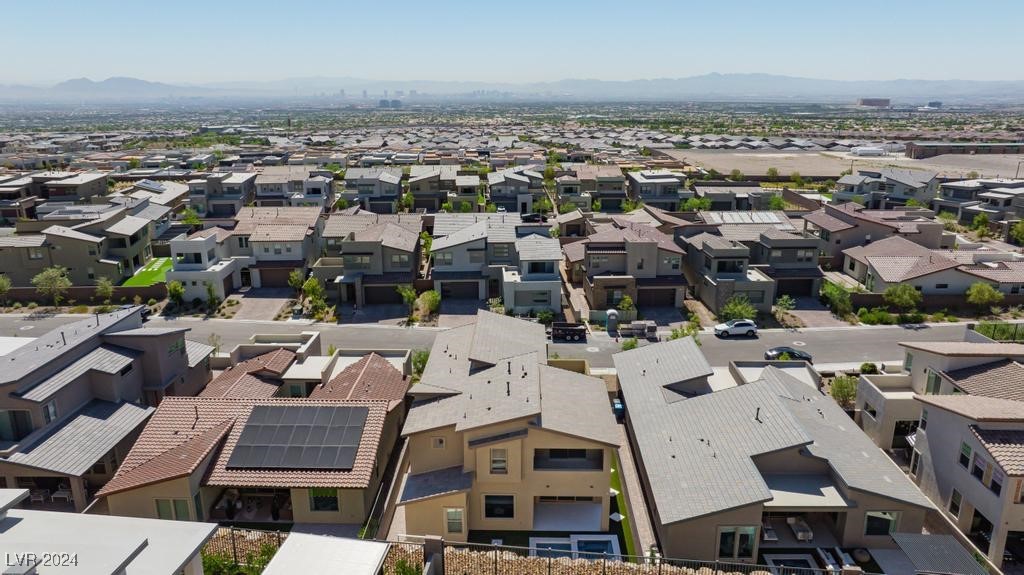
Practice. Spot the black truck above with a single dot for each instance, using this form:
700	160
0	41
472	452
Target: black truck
564	331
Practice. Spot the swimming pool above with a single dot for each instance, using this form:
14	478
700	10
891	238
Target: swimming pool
798	564
597	546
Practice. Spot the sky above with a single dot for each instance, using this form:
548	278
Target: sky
188	41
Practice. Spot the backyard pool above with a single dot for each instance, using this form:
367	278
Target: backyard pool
598	546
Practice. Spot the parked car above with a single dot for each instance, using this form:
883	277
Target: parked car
745	327
145	310
618	409
793	353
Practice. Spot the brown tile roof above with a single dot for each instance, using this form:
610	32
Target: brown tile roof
219	232
1006	446
196	420
176	462
1000	272
977	407
827	222
266	232
390	235
372	377
1002	379
253	378
967	348
896	259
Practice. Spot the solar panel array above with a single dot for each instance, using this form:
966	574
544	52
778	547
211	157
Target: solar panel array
299	437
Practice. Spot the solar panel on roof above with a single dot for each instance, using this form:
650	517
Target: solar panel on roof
299	437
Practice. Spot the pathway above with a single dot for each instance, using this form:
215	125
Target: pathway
637	503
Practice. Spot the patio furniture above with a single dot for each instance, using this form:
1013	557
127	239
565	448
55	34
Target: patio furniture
64	494
39	495
826	560
768	533
844	557
801	530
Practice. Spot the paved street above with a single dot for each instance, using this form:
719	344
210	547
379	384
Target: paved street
838	345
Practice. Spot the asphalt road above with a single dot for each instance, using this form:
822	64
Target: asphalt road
840	345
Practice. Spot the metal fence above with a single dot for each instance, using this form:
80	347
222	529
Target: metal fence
244	546
403	555
476	559
1001	331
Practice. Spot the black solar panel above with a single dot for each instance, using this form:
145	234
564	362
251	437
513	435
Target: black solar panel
299	437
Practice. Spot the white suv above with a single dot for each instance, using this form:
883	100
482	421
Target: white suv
745	327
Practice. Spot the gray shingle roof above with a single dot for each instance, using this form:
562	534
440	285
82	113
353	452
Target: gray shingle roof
535	247
22	241
497	337
470	233
75	445
127	225
937	554
662	364
106	359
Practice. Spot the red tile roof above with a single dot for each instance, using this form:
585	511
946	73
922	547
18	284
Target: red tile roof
372	377
253	378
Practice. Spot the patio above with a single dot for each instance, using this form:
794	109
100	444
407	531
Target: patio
253	506
815	532
567	516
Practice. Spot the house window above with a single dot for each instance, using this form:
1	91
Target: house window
90	273
775	254
908	362
954	503
499	461
501	250
266	249
853	264
932	387
880	522
499	506
35	254
50	411
923	424
672	263
443	259
978	467
323	499
870	410
965	455
736	542
277	249
941	286
804	255
640	264
453	520
399	260
437	442
476	257
243	242
915	462
296	390
996	483
356	262
598	261
172	509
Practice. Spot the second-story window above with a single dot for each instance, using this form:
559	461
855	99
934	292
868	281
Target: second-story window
443	258
399	260
965	455
35	254
50	411
243	242
499	461
476	257
996	483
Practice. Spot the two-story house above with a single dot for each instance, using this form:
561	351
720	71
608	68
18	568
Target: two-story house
719	269
375	189
729	196
294	185
969	459
85	257
659	188
604	184
500	441
375	261
994	197
73	400
777	464
430	186
887	188
847	225
222	194
510	190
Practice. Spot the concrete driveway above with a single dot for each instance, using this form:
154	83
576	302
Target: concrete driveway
459	312
813	313
669	317
383	314
261	303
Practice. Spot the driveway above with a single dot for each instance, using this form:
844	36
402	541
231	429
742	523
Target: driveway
383	314
261	303
813	313
668	317
459	312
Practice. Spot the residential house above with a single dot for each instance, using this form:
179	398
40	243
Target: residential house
515	189
254	449
777	463
295	185
38	540
500	441
431	186
847	225
376	189
968	457
222	194
604	183
967	198
726	196
887	188
73	400
659	188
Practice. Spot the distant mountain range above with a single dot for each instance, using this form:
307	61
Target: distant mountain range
708	87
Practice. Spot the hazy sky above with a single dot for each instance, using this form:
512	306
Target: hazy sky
45	41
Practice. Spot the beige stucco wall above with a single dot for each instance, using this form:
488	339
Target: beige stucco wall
698	538
428	516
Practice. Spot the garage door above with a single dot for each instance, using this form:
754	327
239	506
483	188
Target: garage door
662	297
460	290
274	277
800	287
381	294
429	204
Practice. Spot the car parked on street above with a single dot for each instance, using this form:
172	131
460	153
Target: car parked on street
777	353
745	327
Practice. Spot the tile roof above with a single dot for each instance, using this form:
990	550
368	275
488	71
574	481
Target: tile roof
253	378
535	247
389	235
471	233
967	348
179	420
575	251
22	241
824	221
977	407
372	377
341	224
1002	379
266	232
76	444
898	259
1000	272
220	233
1006	446
65	232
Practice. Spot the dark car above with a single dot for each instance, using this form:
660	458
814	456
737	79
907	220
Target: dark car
145	310
777	352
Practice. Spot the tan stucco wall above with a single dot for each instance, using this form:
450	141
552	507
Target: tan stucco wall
428	516
351	507
698	538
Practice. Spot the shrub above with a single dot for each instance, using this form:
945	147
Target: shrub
32	305
176	292
844	390
877	316
837	299
738	307
432	300
152	302
868	368
626	303
912	317
17	305
903	297
983	295
545	316
79	309
629	344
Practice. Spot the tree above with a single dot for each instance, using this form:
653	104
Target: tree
5	288
1017	232
566	208
408	294
491	208
596	206
419	363
838	299
738	307
844	390
431	299
211	296
104	289
52	283
542	205
629	205
295	280
465	207
913	203
983	295
972	175
176	292
629	344
134	163
689	329
736	176
425	241
545	316
903	297
554	232
341	204
447	207
980	224
313	289
408	201
798	180
695	204
215	342
773	174
626	303
783	304
948	220
481	199
775	202
549	173
191	217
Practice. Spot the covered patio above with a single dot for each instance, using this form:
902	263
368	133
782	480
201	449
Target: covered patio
567	514
803	512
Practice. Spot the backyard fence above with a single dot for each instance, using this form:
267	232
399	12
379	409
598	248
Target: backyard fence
1001	331
242	545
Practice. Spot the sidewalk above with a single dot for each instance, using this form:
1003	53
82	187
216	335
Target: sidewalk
637	504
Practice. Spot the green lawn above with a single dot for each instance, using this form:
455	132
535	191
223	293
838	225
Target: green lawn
153	273
623	508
